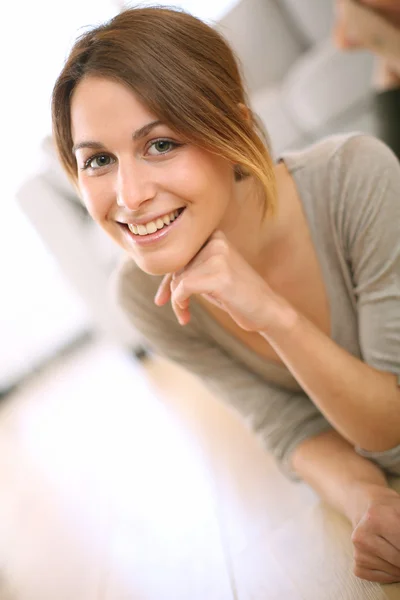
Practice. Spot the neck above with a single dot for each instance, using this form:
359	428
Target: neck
259	239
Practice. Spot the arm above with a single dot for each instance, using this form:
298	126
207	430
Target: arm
342	386
287	424
356	488
329	464
361	398
279	418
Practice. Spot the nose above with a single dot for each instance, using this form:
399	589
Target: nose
134	185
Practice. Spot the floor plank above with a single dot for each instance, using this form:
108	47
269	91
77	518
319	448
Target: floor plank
104	494
123	481
281	538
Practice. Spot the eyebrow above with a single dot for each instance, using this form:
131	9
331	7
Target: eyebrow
137	135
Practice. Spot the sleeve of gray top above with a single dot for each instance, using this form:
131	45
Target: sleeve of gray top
281	420
369	178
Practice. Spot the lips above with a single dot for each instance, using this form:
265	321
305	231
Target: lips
151	238
157	224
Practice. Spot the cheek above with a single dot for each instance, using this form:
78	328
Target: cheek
201	178
96	198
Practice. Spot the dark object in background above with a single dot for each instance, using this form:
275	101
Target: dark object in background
387	109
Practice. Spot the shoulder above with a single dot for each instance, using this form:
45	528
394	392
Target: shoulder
365	204
340	154
348	179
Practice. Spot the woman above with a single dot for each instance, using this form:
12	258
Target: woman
292	270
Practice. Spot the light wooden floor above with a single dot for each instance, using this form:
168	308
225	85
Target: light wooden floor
127	482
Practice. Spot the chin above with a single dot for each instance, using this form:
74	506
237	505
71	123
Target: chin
161	265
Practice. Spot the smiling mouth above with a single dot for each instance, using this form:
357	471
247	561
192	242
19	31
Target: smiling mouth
154	226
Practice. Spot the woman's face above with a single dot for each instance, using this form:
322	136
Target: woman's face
133	170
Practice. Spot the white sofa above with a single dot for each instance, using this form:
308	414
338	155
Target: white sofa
301	87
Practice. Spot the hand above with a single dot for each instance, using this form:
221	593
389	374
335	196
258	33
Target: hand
376	537
222	276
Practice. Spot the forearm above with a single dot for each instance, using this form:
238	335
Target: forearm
361	403
330	465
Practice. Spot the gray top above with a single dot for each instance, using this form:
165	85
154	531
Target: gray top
349	186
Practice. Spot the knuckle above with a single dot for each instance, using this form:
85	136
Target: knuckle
220	245
219	263
373	519
226	280
360	541
358	536
373	514
183	286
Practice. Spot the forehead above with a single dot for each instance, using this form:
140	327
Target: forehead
100	104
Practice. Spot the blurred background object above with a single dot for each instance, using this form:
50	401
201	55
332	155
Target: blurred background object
55	262
375	24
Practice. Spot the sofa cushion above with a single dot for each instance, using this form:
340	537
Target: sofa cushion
313	18
51	170
359	118
269	104
326	83
264	40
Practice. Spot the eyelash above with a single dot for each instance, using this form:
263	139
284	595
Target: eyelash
86	164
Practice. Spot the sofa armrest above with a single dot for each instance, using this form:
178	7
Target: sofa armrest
264	40
325	84
65	234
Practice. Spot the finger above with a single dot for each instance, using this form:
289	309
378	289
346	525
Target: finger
378	546
390	547
375	562
164	291
374	575
204	283
189	286
181	310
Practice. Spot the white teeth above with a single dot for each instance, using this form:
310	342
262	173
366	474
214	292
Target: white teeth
133	228
153	226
